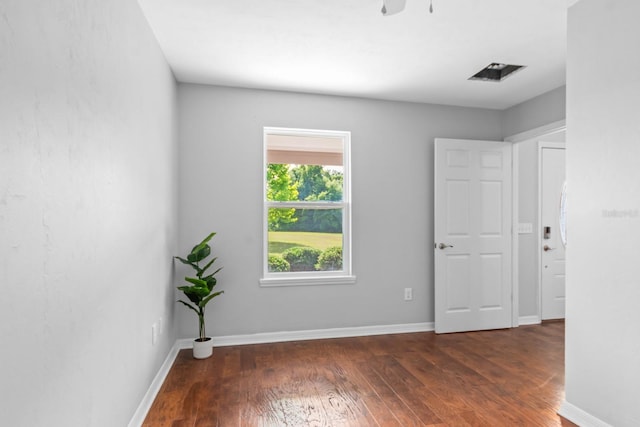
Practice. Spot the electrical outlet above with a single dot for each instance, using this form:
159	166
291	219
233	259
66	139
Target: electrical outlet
160	328
408	294
154	333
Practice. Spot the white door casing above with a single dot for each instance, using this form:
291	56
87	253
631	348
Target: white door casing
472	231
552	247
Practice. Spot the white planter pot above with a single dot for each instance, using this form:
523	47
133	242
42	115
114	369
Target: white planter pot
202	349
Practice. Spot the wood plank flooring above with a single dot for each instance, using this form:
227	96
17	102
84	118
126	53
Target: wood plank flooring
511	377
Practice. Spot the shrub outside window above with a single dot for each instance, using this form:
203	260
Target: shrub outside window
307	207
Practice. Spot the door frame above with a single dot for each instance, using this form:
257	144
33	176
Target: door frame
535	133
541	146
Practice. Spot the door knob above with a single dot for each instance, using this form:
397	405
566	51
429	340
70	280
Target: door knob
547	248
444	246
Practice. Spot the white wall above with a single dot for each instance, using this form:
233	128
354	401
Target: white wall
603	272
392	167
87	211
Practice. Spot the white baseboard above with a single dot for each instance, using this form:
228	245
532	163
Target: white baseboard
529	320
154	388
580	417
316	334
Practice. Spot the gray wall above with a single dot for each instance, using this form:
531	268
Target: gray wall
603	272
392	170
547	108
534	113
528	212
88	200
87	211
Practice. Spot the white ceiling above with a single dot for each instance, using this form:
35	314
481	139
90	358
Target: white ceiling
347	47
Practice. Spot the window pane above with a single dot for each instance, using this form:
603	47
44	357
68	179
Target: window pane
305	239
290	182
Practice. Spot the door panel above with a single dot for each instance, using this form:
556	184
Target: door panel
458	205
491	281
472	219
458	275
491	215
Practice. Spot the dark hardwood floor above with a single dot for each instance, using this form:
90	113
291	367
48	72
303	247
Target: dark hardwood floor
511	377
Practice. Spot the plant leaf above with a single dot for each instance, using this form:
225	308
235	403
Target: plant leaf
214	273
199	253
190	306
209	298
201	250
201	291
197	282
206	239
211	282
193	296
195	293
184	261
207	266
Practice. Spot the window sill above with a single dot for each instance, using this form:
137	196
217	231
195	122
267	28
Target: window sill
307	281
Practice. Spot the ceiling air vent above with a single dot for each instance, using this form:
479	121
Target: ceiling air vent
495	72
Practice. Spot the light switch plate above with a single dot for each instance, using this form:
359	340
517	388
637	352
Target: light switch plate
525	228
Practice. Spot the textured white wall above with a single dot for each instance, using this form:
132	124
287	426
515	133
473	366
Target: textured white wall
603	150
87	210
392	170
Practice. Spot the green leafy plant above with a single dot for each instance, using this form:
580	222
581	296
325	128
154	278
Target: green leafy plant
301	258
200	289
278	264
330	259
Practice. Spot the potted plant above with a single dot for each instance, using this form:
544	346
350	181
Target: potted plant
200	291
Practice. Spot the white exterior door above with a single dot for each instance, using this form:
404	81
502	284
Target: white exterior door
552	246
472	230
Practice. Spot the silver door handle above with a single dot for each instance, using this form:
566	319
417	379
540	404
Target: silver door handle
547	248
444	246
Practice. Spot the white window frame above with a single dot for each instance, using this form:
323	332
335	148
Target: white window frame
344	276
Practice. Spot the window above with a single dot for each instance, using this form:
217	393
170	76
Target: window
307	207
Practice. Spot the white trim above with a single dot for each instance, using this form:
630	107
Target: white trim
529	320
549	129
539	132
515	238
154	388
272	282
580	417
314	334
542	145
292	278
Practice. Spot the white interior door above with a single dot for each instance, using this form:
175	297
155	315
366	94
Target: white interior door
472	230
552	275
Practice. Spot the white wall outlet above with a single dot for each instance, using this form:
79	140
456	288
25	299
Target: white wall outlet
408	294
154	333
160	327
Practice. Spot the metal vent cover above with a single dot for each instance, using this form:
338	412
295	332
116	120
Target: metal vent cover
496	72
